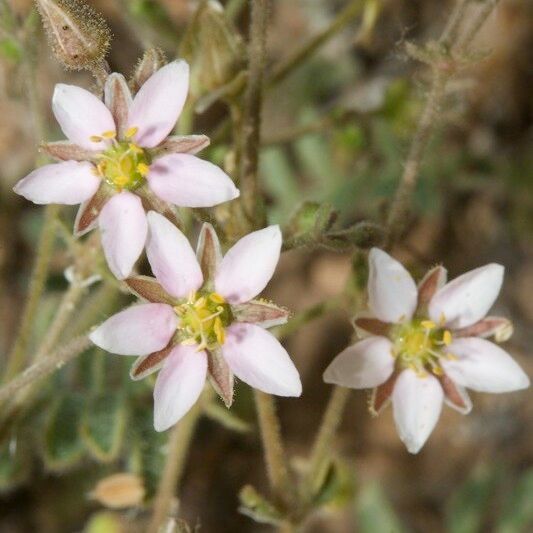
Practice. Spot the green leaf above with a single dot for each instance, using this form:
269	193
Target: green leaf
103	425
338	486
63	446
257	507
517	513
375	513
469	504
15	464
10	49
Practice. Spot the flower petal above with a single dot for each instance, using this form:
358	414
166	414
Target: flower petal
69	183
468	298
171	257
178	385
138	330
123	227
417	403
249	265
483	366
158	104
257	358
117	97
81	115
365	364
392	293
188	181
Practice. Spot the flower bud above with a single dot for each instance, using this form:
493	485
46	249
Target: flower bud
152	60
78	35
212	47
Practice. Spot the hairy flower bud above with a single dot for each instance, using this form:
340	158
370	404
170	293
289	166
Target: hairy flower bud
151	61
212	47
78	35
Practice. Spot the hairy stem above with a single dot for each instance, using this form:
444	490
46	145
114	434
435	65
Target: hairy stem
275	459
251	119
322	446
45	366
449	40
178	445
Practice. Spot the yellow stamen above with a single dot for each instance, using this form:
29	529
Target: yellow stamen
217	298
95	138
143	169
447	338
109	134
218	328
131	132
428	324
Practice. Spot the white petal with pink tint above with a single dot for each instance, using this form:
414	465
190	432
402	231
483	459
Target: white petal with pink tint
392	293
67	183
81	115
249	264
417	403
364	365
257	358
171	257
483	366
123	227
188	181
178	385
158	104
138	330
468	298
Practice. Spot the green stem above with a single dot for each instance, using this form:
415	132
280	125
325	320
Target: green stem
275	459
178	445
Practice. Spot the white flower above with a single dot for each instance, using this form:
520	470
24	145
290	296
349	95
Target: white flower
424	345
201	320
119	159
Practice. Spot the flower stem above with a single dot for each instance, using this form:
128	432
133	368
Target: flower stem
275	459
46	365
178	445
252	201
16	358
322	446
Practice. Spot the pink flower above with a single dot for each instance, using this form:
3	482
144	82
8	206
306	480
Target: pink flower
119	159
202	319
422	346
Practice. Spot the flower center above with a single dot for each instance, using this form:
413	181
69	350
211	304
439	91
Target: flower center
419	344
203	319
124	165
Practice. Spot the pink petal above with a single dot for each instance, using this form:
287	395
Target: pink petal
483	366
188	181
417	403
123	227
249	265
158	104
258	359
366	364
138	330
392	293
81	115
178	385
67	183
171	257
468	298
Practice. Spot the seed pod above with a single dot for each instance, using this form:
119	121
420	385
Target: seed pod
152	60
78	35
119	491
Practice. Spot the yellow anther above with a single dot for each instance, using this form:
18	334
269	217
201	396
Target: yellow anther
217	298
131	132
109	134
428	324
135	149
143	169
451	356
120	181
437	370
95	138
200	303
447	337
